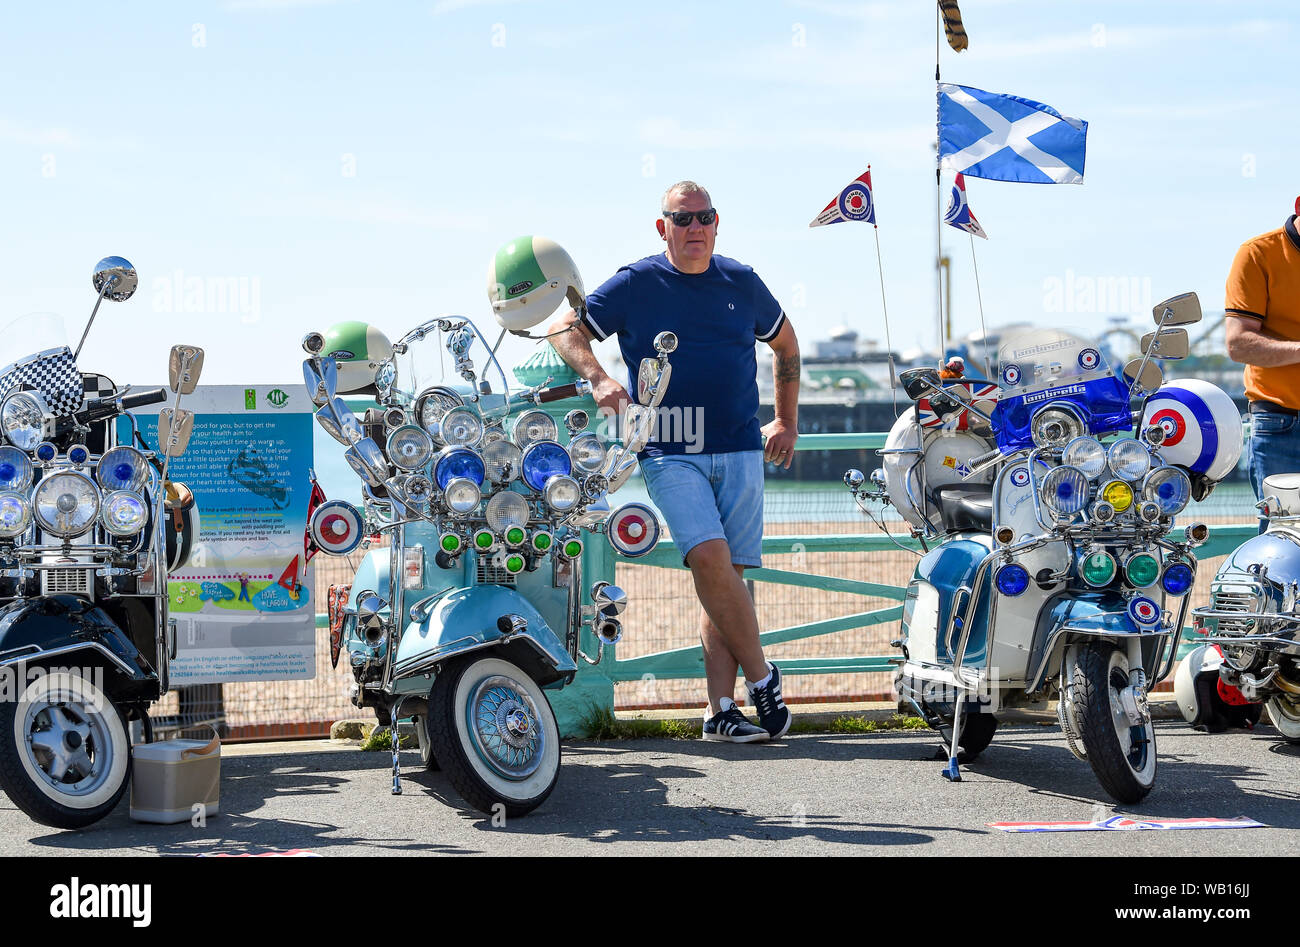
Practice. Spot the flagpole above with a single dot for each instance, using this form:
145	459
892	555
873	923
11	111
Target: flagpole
984	333
884	308
938	191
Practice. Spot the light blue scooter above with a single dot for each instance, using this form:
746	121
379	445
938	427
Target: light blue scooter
475	606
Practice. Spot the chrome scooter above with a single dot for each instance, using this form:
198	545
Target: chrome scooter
90	527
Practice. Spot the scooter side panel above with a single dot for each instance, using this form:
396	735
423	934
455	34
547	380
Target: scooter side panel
932	594
373	576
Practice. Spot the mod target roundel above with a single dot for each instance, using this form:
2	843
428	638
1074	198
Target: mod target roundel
633	530
336	527
1011	375
855	202
1202	426
1173	424
1020	476
1089	359
1144	611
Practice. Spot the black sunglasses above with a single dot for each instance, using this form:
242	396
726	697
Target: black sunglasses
682	218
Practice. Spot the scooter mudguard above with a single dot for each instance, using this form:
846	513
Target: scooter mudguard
947	569
469	619
1102	614
67	631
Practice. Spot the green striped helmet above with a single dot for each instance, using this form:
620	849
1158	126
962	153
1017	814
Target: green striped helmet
528	279
358	348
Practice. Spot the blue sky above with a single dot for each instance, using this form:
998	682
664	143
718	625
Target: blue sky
314	161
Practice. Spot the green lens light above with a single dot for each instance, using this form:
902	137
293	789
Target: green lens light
542	541
483	539
514	535
514	564
450	542
1098	568
1142	569
573	548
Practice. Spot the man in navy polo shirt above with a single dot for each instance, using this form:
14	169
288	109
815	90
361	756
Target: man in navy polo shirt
704	469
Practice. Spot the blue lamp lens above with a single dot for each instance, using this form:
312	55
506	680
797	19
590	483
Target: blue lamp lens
459	462
544	460
45	451
7	472
15	469
1012	579
123	472
78	455
1177	578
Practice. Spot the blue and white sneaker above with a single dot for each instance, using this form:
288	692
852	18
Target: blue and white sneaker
730	725
772	713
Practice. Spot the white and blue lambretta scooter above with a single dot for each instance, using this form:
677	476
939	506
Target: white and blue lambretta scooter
477	604
1057	572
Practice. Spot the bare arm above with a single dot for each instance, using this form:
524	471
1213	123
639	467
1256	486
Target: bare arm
574	346
1251	344
783	430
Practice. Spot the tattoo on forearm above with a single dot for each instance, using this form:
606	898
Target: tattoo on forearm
786	367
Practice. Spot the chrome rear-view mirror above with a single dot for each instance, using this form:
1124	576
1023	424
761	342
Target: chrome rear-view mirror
366	458
184	366
1183	310
917	382
115	278
1142	378
175	425
339	422
1166	343
321	377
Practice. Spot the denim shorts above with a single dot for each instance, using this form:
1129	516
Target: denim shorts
710	496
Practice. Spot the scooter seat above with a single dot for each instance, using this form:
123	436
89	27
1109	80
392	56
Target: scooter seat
965	507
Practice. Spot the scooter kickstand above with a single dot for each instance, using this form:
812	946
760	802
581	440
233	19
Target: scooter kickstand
952	772
395	738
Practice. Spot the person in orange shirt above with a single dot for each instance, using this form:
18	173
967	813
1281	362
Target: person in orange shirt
1262	327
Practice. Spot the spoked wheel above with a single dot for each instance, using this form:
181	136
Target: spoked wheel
65	757
1121	753
427	757
1285	716
494	734
977	731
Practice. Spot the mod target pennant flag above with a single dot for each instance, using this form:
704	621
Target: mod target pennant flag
959	213
853	203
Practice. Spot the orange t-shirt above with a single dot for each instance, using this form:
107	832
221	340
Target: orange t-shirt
1264	284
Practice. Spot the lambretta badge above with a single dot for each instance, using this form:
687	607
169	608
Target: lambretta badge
520	287
75	900
1055	393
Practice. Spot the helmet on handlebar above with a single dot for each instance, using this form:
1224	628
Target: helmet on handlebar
528	279
358	348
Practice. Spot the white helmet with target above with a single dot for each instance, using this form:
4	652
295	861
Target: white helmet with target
633	530
1202	427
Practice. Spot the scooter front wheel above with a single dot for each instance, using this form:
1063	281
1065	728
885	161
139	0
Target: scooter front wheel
493	732
1285	717
1122	754
65	758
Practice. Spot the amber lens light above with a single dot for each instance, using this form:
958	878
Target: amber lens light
1118	494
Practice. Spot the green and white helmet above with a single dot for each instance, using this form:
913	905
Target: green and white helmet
358	348
528	279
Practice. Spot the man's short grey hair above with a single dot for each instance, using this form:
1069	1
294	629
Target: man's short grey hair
683	187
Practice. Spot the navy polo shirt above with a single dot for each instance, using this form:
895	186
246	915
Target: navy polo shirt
712	402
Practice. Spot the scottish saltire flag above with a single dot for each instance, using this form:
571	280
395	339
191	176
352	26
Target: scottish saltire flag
853	203
1007	138
959	214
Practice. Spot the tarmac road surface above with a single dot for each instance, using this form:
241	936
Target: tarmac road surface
823	794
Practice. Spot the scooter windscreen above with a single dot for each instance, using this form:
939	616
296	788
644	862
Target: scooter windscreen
1048	374
35	356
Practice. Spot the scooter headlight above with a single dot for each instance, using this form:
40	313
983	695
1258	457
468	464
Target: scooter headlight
15	515
587	452
1118	494
23	418
503	460
1012	579
463	496
1065	490
533	426
1169	488
1177	579
124	513
544	460
1141	570
461	427
1087	454
15	469
456	463
1055	426
409	447
1097	568
561	494
122	468
66	504
1128	459
507	510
